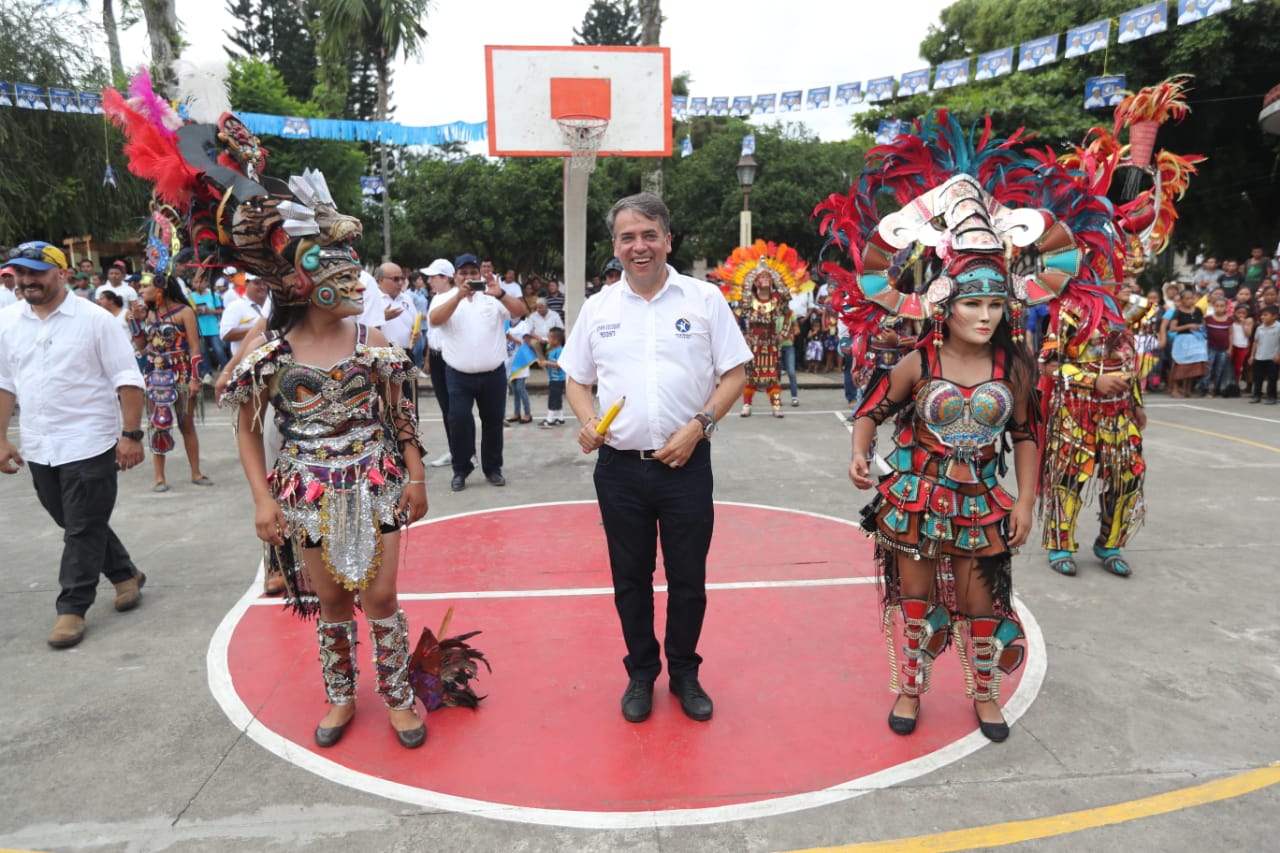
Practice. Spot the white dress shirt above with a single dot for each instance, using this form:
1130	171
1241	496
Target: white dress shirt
472	339
7	297
64	371
539	325
665	355
374	314
243	312
125	291
399	329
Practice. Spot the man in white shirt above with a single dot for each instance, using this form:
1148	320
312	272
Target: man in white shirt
377	310
64	361
471	320
439	275
8	287
238	317
399	328
117	285
671	347
541	322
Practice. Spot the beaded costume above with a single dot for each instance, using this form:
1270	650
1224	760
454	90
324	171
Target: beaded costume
339	474
167	370
1091	438
766	320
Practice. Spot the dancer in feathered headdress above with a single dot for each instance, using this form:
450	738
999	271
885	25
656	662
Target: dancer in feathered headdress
958	261
349	475
1092	385
759	281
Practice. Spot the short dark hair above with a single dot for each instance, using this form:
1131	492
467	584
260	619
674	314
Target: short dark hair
112	297
556	332
1271	309
647	205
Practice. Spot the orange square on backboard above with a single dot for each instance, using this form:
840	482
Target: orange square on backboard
582	97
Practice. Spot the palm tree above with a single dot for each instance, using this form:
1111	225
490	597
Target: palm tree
166	44
391	28
650	21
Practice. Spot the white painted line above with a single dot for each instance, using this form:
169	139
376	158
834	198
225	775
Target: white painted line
224	693
1196	408
569	592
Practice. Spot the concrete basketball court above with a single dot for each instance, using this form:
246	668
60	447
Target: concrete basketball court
1140	721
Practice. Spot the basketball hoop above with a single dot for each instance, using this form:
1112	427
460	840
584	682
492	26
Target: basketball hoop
583	135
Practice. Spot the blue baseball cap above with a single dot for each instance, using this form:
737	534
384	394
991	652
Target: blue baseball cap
37	255
462	260
613	265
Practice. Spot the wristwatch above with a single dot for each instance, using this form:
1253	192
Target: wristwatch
708	424
134	434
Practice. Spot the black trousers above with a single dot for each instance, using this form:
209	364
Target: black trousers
1265	372
642	502
80	497
488	393
439	387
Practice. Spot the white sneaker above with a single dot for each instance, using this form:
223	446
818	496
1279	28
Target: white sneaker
443	460
795	401
746	410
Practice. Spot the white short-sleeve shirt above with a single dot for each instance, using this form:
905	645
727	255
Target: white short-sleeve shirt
473	339
243	312
64	371
665	355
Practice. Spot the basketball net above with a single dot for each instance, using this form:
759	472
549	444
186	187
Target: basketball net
583	135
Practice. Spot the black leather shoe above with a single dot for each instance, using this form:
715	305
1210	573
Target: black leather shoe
458	483
496	478
329	736
637	702
693	699
997	732
413	738
903	725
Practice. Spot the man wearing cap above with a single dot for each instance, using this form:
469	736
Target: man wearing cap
439	275
117	285
670	345
8	291
612	272
64	361
239	317
472	320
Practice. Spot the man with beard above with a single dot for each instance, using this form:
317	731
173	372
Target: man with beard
64	361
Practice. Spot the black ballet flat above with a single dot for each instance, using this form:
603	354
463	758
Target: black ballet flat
903	725
326	737
413	738
995	732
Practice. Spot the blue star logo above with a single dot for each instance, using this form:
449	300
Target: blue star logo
683	325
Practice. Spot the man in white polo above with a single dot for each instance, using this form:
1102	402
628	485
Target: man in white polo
65	362
240	316
670	345
471	320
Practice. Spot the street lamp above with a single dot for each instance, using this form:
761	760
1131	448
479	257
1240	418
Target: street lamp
746	177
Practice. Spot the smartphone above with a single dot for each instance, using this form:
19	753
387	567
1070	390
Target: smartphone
477	285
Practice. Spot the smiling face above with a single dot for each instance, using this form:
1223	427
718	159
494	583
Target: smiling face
973	319
42	287
641	245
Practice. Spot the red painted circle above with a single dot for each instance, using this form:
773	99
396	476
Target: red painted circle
798	672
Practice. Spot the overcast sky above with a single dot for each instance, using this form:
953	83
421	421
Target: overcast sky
744	47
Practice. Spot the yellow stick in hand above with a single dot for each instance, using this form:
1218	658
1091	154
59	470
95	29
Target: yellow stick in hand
603	426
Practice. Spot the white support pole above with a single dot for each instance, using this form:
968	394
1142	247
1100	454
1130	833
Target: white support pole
575	241
744	228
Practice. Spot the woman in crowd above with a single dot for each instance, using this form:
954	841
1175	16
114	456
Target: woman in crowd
1189	350
166	336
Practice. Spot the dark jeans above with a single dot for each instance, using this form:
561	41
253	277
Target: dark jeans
488	393
555	394
642	501
79	497
787	365
1265	372
439	387
215	353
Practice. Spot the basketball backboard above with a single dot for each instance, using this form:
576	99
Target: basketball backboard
529	88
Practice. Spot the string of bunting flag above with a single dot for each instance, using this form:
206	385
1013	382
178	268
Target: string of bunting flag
1099	92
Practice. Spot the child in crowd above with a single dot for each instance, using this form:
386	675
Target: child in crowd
1265	356
1241	339
555	379
830	339
813	348
1217	328
516	333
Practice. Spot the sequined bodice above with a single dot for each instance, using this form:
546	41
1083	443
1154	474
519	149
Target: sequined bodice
965	418
165	337
313	403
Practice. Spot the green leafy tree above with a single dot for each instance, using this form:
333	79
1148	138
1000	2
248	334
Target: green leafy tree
1234	202
278	32
609	22
52	165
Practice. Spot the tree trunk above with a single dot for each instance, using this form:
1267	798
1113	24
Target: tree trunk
162	31
113	41
650	22
380	114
